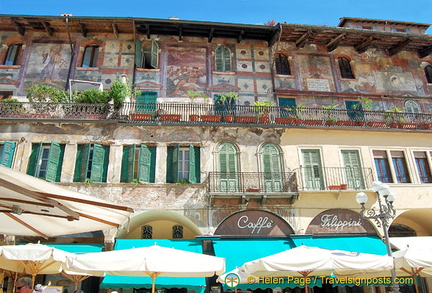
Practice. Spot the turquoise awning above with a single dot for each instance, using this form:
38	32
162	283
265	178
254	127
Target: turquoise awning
238	251
79	248
362	244
115	282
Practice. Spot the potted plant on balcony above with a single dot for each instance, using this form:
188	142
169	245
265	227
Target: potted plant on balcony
99	104
292	115
44	100
193	95
263	108
393	118
226	104
356	114
330	114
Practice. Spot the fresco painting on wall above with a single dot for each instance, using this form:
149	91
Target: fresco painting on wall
186	70
316	73
48	64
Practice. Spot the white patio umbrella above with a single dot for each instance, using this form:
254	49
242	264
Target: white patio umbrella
38	259
304	261
152	261
33	207
413	262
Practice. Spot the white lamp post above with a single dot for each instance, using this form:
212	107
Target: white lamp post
382	216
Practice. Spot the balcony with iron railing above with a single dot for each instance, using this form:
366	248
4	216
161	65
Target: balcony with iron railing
221	115
334	178
283	184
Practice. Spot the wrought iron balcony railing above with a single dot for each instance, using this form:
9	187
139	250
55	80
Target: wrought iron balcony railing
197	114
334	178
252	182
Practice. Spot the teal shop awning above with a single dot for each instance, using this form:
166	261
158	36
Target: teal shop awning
238	251
115	282
78	248
363	244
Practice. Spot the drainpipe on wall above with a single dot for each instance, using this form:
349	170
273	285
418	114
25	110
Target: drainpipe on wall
71	48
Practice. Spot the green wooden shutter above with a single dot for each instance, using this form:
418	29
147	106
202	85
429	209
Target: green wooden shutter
175	157
98	163
146	102
154	54
218	59
312	170
169	172
128	164
81	164
35	157
138	53
227	60
53	162
144	164
353	170
272	168
193	174
8	153
228	168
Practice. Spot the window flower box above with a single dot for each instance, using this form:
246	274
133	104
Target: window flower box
170	117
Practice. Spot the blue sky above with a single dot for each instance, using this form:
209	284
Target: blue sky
313	12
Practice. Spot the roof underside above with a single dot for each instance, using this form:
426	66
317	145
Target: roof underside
300	35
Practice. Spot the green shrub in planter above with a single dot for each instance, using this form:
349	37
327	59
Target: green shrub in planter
93	96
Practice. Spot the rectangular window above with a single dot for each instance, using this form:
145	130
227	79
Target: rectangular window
183	164
382	166
91	163
423	167
400	167
46	160
138	164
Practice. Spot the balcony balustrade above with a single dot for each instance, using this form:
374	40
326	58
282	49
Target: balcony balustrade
252	182
334	178
205	114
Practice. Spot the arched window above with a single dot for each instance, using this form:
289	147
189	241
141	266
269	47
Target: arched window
12	55
428	73
90	56
228	180
345	68
223	59
272	167
282	65
412	107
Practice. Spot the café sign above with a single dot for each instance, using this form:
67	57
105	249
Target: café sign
254	223
339	221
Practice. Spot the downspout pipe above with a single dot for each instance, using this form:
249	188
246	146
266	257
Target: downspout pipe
67	87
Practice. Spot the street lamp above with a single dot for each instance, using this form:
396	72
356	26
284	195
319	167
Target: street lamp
382	216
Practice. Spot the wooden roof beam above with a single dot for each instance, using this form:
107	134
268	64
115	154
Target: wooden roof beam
115	30
83	29
20	28
48	29
333	44
363	47
426	51
303	39
211	34
398	47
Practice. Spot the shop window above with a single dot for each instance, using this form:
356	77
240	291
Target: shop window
138	164
91	163
7	152
148	56
345	68
428	73
90	56
177	232
46	161
423	167
147	232
228	168
223	62
12	54
272	167
183	164
282	65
